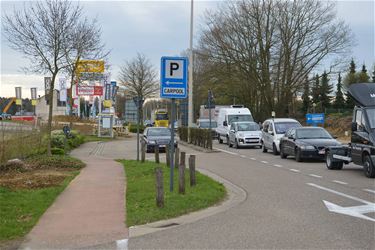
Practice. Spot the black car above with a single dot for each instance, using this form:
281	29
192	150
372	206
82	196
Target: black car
306	143
157	136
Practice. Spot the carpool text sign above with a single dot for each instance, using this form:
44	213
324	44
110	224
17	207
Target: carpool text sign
173	77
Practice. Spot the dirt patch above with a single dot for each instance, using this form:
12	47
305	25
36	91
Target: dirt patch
33	179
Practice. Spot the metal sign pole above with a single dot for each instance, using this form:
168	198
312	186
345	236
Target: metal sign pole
171	146
138	130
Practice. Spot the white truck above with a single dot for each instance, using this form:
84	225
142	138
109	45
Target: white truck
236	113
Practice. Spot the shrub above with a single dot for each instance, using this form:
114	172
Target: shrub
133	128
198	136
54	161
57	151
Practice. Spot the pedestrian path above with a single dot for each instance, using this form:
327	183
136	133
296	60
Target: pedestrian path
90	212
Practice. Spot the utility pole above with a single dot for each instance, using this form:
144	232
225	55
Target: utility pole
190	101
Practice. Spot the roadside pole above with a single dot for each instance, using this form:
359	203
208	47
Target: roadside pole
171	145
138	130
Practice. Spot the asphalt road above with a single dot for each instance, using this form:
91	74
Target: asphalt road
286	206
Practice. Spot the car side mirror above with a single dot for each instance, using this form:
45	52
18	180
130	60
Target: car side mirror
271	132
225	123
232	131
354	126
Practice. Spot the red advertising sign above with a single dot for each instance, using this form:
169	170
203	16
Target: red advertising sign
89	90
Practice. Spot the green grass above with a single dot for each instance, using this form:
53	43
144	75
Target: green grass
21	209
140	194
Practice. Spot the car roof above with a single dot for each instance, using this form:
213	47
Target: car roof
308	127
282	120
245	122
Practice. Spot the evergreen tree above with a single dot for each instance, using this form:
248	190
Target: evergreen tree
363	76
349	79
339	102
325	91
306	95
316	90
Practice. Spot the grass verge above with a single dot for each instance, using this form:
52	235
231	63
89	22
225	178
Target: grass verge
90	138
140	193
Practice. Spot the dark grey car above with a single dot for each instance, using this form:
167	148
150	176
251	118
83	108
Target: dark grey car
156	136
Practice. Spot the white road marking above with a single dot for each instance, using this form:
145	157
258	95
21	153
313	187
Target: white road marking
338	193
277	165
225	151
369	190
355	211
316	176
265	162
340	182
243	156
294	170
253	159
122	244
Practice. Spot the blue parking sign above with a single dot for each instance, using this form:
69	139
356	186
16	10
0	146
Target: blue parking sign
173	77
315	118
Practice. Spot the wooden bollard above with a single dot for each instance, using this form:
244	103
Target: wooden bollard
159	187
176	157
193	180
167	155
143	152
156	149
181	174
182	158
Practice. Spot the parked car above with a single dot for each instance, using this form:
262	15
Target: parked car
147	123
273	130
306	142
243	134
156	136
236	113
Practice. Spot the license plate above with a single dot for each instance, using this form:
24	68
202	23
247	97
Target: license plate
322	152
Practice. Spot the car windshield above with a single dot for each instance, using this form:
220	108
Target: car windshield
159	132
312	134
161	116
371	117
239	118
207	124
282	127
248	127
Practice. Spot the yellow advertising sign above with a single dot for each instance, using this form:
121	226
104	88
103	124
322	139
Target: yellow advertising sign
91	66
18	101
107	103
33	102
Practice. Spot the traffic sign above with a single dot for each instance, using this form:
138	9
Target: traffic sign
315	118
174	76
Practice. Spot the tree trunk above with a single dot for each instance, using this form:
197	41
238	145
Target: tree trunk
49	125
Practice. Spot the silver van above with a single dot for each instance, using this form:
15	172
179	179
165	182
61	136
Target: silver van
272	131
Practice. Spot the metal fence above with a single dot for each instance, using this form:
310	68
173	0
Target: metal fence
20	140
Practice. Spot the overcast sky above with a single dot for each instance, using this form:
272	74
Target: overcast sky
161	28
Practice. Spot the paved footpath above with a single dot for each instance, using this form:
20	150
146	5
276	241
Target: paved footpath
90	213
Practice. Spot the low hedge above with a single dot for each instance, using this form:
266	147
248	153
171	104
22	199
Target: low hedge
58	140
199	137
133	128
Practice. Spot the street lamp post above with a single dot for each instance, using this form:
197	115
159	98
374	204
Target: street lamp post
190	101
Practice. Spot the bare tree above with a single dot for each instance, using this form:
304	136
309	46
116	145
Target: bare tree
44	33
139	78
268	47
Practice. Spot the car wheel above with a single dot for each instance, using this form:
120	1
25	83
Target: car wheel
331	164
235	143
297	155
274	149
228	142
368	167
219	139
264	149
282	154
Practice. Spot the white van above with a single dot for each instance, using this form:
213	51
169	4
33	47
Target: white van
272	131
236	113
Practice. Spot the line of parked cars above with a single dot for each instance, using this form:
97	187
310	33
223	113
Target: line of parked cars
284	137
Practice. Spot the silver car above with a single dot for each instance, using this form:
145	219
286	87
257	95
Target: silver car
243	134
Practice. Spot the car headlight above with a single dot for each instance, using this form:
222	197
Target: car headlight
307	147
151	142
